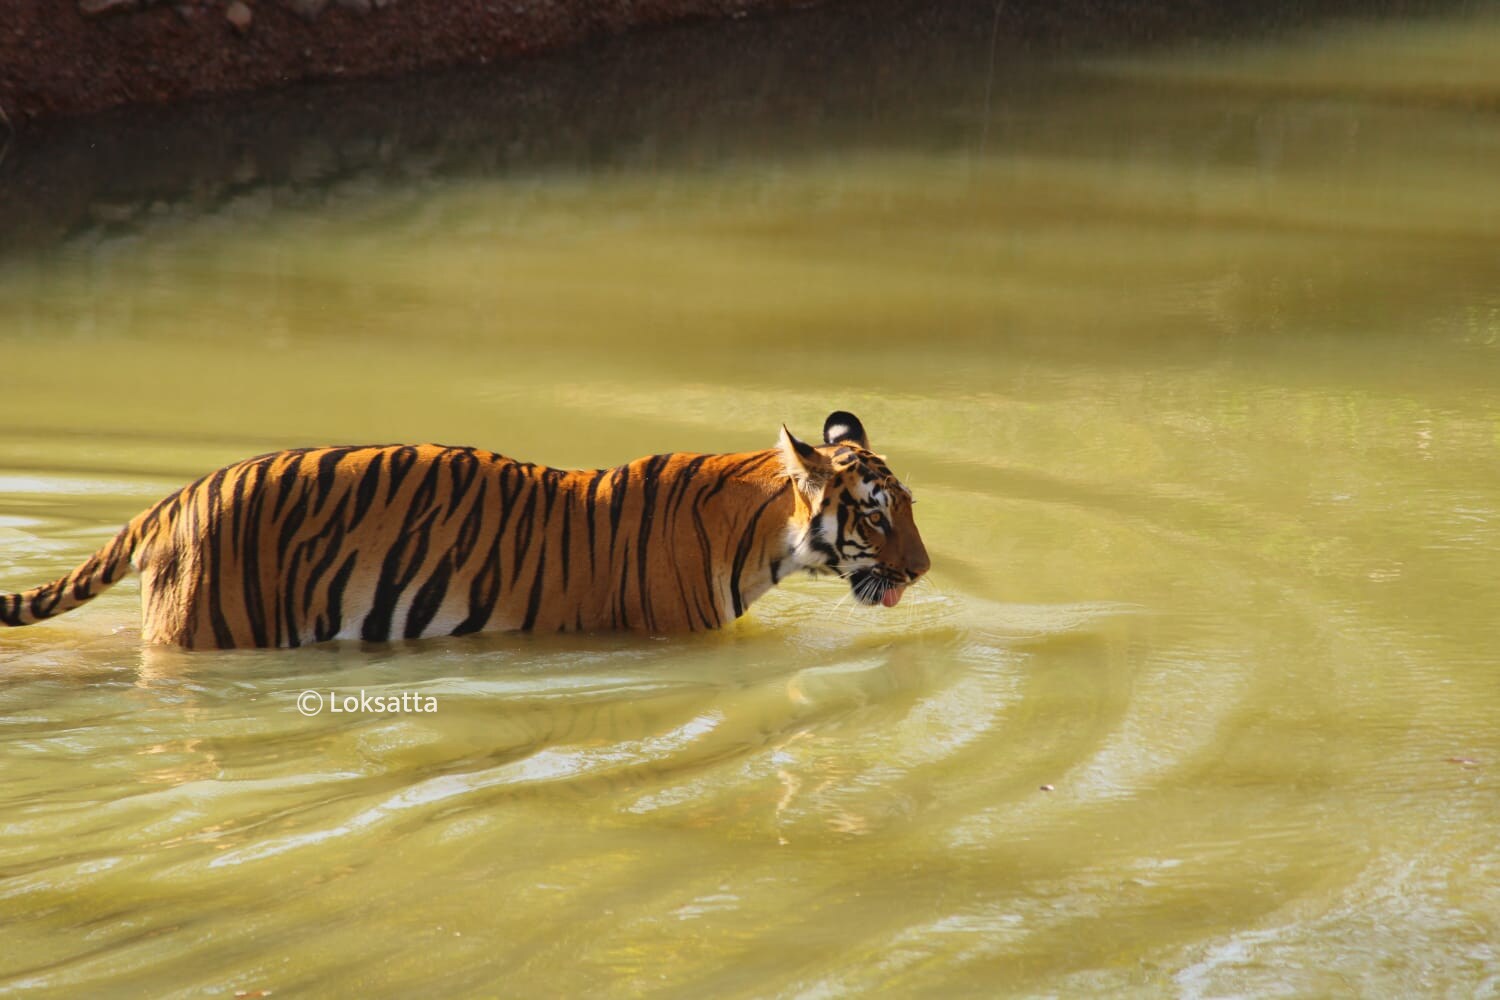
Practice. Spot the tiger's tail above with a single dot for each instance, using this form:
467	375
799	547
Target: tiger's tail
98	573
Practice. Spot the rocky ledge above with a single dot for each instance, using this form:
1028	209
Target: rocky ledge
59	58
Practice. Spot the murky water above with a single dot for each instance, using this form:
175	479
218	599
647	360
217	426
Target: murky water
1192	356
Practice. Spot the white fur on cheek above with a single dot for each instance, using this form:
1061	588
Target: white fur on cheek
799	540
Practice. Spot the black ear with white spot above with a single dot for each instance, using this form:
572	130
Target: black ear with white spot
842	425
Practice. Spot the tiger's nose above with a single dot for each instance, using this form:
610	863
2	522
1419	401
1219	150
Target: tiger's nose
915	567
919	562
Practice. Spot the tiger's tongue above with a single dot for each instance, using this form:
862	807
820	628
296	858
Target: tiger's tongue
892	596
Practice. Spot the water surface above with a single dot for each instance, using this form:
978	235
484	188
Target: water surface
1190	354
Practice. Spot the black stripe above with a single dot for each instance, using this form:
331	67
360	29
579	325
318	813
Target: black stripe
213	490
331	539
462	468
425	494
468	531
618	484
549	498
294	518
817	544
534	603
286	612
223	637
484	592
703	615
45	600
212	571
650	482
424	606
291	477
567	536
237	504
678	494
842	518
759	458
591	502
401	461
250	562
83	578
507	505
550	479
406	555
517	471
521	539
212	544
115	557
742	553
332	621
682	591
377	623
328	463
705	549
397	571
364	494
622	616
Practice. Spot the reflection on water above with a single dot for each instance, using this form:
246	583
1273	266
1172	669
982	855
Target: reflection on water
1189	353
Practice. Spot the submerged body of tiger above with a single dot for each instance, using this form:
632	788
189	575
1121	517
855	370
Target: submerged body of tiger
380	543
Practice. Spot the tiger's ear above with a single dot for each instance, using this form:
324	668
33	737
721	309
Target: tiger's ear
802	462
842	425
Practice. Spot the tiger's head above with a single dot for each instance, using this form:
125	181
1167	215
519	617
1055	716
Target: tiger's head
853	516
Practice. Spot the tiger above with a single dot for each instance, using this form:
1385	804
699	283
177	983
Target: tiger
386	542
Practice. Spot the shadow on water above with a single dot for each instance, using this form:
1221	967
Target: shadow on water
884	74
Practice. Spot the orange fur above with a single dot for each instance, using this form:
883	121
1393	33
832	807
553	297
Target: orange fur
389	542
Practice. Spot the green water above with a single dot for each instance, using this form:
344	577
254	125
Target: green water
1192	359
